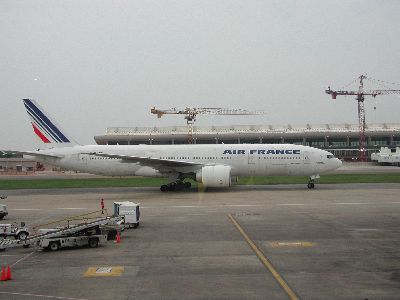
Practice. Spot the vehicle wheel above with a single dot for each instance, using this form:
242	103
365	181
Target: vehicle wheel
310	185
164	188
93	243
136	225
54	246
26	246
1	217
22	235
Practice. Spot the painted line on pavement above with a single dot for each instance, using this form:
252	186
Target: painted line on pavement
350	203
291	204
21	259
265	261
242	205
277	244
42	296
25	209
189	206
73	208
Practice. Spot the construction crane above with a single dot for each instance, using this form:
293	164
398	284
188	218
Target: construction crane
190	114
360	97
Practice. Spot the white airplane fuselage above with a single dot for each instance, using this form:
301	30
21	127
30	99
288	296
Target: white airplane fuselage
244	159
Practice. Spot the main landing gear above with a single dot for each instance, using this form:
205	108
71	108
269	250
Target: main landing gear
311	184
175	186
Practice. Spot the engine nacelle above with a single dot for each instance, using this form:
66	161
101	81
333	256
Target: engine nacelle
214	176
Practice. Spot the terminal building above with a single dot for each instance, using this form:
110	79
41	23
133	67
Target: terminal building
340	139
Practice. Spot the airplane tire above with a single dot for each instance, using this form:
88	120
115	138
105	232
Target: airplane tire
172	186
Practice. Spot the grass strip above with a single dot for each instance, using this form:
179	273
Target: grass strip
12	184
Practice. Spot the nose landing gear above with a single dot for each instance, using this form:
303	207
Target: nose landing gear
311	183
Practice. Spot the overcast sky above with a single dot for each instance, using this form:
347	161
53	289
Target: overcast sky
98	64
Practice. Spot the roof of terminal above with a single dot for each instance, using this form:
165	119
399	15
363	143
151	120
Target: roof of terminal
379	127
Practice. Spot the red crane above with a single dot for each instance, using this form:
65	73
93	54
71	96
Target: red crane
361	93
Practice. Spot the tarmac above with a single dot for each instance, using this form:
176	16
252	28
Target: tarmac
247	242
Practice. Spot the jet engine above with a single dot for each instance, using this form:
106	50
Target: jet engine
214	176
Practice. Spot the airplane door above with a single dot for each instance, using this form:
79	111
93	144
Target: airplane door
82	158
251	159
306	157
307	161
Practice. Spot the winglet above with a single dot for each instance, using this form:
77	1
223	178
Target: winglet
48	131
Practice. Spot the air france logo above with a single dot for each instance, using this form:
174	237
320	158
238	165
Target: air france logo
271	151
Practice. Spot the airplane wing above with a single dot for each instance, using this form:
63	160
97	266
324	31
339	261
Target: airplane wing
34	153
149	161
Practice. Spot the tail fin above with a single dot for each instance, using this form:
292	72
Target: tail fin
44	127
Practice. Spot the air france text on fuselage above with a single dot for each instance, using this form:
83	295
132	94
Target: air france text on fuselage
263	151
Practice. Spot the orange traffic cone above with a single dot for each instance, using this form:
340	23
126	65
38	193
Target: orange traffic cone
118	239
3	274
8	273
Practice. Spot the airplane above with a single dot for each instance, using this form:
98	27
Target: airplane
212	165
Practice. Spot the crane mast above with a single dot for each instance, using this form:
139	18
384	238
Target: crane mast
360	97
190	114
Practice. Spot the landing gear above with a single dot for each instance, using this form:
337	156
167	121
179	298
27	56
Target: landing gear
175	186
311	184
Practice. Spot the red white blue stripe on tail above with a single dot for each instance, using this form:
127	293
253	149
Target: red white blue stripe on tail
45	128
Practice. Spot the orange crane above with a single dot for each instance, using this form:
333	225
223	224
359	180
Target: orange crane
360	97
190	114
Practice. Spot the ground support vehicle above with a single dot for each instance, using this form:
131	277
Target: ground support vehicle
92	237
387	156
13	230
129	211
63	232
3	211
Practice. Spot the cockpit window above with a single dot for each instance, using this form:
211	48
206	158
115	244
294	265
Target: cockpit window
330	156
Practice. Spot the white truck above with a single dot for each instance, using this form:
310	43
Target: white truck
387	156
129	211
3	211
13	230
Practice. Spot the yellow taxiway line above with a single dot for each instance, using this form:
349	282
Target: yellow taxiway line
265	261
